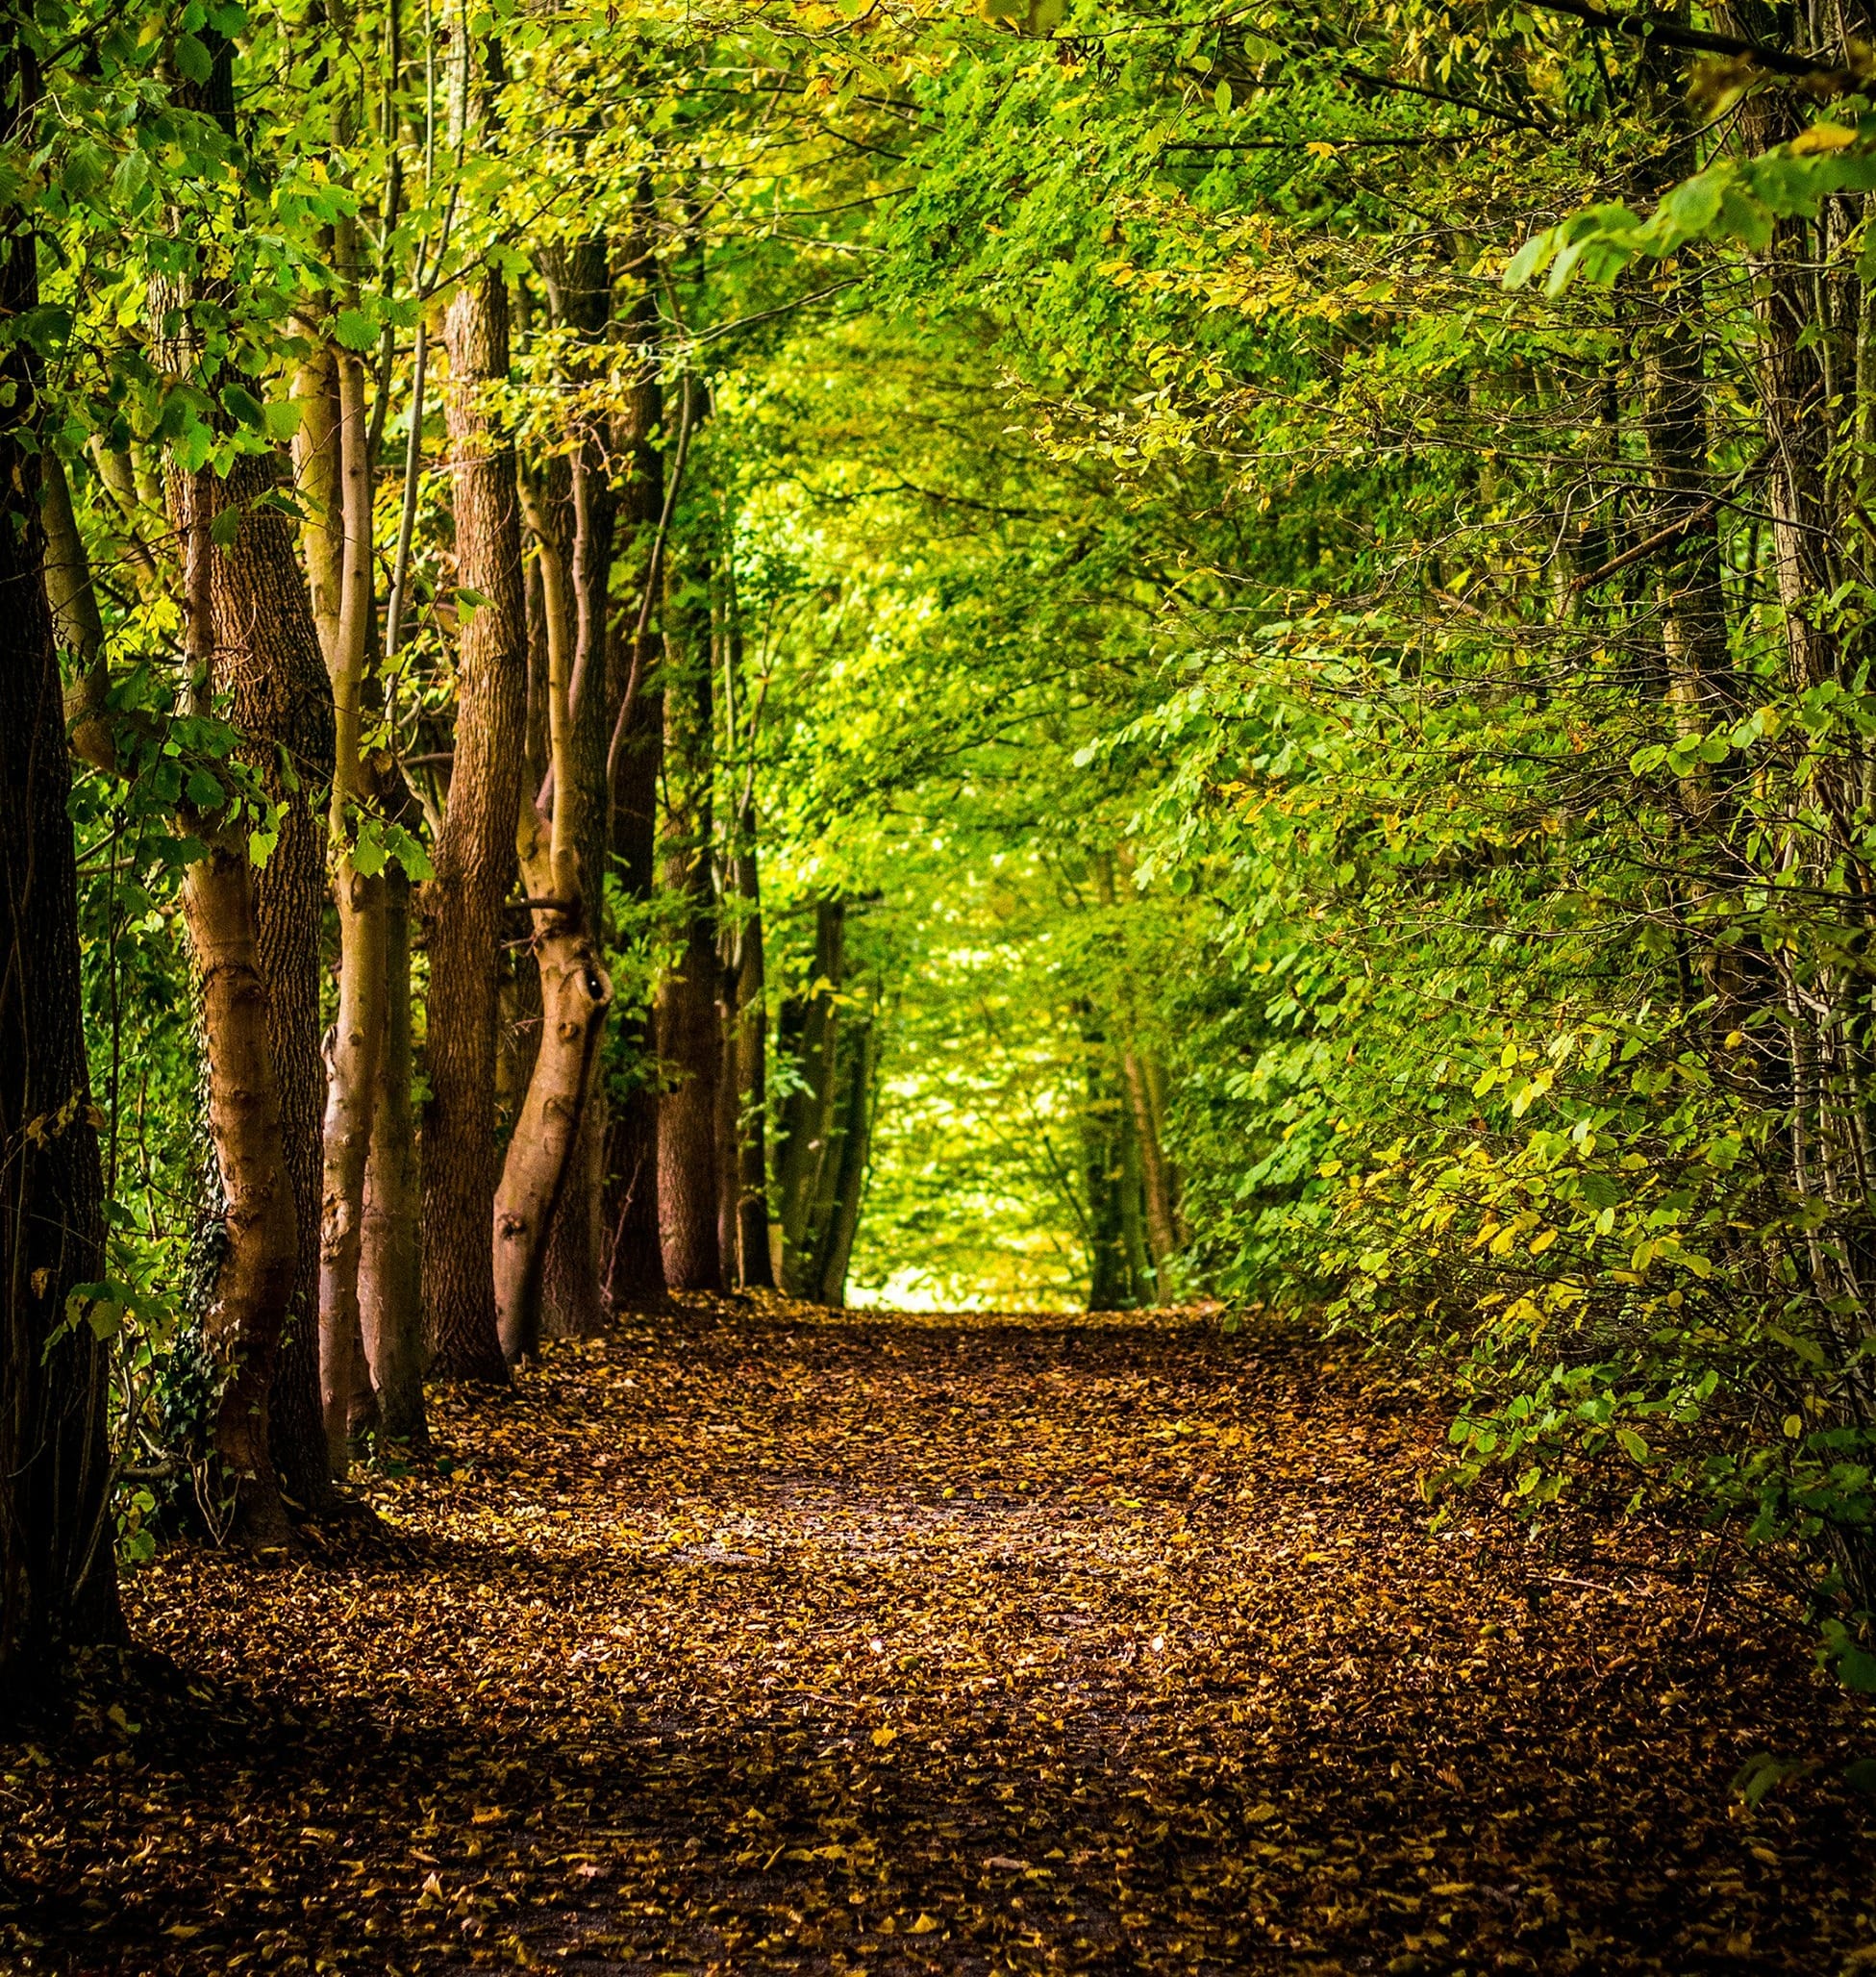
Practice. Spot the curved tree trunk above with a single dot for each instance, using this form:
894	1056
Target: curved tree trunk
474	856
575	992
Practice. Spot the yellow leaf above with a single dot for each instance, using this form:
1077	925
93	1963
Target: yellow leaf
884	1736
1317	148
924	1926
1823	136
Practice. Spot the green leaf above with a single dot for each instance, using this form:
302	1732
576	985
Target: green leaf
203	790
193	59
1633	1446
1532	258
243	405
355	330
281	419
225	530
1221	98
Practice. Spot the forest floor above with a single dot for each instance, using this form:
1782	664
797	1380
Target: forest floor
758	1639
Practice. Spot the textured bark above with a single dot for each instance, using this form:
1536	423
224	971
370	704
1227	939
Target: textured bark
580	291
359	1032
575	991
634	1262
390	1298
474	857
265	654
256	1282
689	1035
57	1582
1793	401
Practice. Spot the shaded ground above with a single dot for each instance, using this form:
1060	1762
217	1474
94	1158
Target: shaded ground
758	1640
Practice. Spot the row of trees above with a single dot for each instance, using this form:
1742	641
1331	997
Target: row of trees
1215	651
371	554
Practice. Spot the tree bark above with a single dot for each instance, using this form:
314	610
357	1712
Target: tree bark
258	1272
811	1035
635	1262
390	1249
57	1577
580	288
689	1033
756	1268
474	857
575	990
359	1031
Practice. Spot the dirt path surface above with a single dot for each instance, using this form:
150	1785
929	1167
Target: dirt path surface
755	1640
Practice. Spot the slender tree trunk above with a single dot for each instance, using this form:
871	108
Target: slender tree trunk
57	1576
634	1260
856	1134
689	1035
729	1081
391	1260
811	1036
474	856
575	991
757	1270
358	1035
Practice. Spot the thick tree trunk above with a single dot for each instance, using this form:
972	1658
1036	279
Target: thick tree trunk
57	1577
474	855
264	651
390	1297
580	288
689	1033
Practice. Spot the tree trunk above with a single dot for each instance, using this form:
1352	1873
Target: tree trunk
264	651
474	855
811	1035
57	1577
634	1262
729	1083
756	1269
391	1259
580	288
359	1032
575	991
689	1035
856	1133
258	1269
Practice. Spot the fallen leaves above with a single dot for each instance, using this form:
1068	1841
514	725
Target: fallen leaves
912	1645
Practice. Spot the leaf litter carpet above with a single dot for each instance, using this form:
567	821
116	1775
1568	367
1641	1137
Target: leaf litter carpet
753	1640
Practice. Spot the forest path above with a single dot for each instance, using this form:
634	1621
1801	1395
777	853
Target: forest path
756	1639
